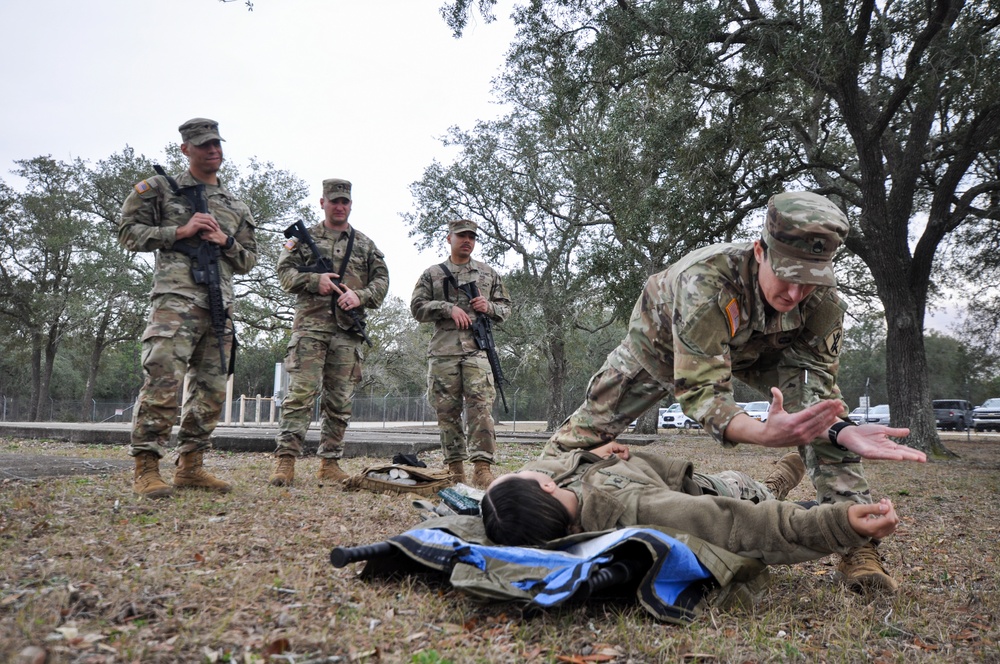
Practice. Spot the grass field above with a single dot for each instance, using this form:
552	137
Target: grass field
91	573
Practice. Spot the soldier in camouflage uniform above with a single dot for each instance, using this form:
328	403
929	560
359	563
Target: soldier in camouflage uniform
179	338
767	312
324	352
456	368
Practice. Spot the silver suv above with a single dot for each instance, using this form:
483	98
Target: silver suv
987	416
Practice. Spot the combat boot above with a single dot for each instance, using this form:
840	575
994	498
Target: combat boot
284	472
191	475
482	476
147	482
329	471
457	471
862	570
786	475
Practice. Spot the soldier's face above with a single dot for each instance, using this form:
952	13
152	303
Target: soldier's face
780	294
337	211
205	158
462	244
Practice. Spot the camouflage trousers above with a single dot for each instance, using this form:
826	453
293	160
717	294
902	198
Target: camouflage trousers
179	341
622	390
733	484
330	362
450	379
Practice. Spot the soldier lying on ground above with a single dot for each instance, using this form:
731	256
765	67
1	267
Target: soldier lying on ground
611	487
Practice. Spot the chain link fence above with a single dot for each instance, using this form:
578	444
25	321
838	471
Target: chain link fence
263	410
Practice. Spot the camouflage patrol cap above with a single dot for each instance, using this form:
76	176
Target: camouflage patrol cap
802	232
462	226
199	130
335	188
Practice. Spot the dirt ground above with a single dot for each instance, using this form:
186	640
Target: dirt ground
91	573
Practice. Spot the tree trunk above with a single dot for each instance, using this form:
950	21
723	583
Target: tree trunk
96	350
44	391
907	378
555	410
36	377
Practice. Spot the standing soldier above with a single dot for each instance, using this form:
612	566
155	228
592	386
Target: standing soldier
767	312
325	348
160	216
456	368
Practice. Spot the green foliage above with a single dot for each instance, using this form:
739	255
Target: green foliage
429	657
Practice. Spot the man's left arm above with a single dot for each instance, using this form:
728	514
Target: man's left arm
372	295
242	251
499	299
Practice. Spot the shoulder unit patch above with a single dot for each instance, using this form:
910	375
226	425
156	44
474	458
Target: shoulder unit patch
142	187
733	316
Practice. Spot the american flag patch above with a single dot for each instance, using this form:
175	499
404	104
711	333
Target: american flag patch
290	244
733	314
142	187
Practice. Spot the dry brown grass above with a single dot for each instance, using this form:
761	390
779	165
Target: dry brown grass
91	573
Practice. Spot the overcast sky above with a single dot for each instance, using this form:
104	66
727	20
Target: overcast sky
358	89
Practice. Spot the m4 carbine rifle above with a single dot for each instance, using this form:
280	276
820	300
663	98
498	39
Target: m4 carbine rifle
482	333
205	267
323	265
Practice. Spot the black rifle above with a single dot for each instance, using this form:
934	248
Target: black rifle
324	265
482	332
205	267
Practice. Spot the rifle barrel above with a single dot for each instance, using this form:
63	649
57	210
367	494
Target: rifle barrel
343	555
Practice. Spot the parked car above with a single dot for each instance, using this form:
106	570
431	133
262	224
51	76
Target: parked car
858	414
952	414
674	418
878	414
987	416
758	410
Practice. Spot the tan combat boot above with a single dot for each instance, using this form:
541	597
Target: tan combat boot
482	476
862	570
457	471
284	472
329	471
787	474
191	475
147	482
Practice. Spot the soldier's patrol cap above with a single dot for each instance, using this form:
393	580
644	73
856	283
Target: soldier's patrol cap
462	226
335	188
200	130
802	232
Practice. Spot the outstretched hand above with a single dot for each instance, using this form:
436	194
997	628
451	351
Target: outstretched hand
784	429
877	520
871	441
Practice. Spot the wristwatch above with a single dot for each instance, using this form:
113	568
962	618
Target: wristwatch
230	241
835	431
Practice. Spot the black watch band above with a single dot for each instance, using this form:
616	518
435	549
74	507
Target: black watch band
230	241
835	431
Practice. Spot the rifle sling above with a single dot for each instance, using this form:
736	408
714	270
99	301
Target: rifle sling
347	257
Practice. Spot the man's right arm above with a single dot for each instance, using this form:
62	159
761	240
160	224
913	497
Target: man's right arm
423	306
140	226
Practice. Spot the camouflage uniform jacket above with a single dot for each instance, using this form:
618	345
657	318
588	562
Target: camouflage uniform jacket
366	275
149	220
613	493
704	320
432	302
